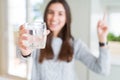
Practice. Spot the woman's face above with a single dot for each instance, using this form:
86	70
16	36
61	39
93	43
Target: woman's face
56	17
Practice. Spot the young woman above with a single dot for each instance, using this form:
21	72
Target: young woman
57	60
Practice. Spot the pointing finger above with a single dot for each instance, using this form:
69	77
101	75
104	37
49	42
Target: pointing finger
104	17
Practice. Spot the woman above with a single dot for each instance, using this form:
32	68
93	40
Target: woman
57	60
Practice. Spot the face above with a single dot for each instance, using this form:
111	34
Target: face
56	17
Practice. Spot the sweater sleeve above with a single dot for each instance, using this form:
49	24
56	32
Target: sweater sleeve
99	64
19	55
24	59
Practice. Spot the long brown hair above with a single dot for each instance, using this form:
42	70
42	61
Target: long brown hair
66	52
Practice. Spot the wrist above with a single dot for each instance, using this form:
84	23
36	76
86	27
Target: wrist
102	39
25	55
102	44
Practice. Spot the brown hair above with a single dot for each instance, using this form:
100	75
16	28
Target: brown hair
66	52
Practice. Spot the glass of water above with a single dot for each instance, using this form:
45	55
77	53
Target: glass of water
37	34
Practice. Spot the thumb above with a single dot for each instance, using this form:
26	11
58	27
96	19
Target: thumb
48	32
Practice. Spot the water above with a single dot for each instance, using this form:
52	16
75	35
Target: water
37	39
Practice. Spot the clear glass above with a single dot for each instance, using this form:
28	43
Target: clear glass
37	35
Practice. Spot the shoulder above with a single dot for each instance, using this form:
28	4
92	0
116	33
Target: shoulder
78	42
79	45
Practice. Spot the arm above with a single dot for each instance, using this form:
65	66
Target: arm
99	65
19	55
102	63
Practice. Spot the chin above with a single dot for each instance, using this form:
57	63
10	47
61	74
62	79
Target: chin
53	29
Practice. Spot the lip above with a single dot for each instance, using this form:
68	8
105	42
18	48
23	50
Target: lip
53	25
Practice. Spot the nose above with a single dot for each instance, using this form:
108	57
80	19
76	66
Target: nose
55	17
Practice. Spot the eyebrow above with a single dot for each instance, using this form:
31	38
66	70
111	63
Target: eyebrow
56	10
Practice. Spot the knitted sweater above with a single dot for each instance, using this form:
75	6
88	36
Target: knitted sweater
60	70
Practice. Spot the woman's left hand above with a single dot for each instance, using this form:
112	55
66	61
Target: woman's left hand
102	30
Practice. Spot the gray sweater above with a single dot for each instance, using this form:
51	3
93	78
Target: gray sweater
59	70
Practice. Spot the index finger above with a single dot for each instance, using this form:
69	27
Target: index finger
22	27
22	30
104	16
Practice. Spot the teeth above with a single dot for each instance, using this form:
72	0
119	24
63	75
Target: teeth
54	23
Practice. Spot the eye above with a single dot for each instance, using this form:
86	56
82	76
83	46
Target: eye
61	14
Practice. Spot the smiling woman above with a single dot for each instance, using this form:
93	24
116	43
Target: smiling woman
81	28
57	60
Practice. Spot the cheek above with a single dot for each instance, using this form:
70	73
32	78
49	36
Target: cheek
47	20
63	20
48	16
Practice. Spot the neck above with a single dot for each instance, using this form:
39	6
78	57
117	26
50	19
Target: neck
55	34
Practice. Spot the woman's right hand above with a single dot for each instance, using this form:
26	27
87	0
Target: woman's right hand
23	37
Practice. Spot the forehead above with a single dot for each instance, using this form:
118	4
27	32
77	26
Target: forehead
57	7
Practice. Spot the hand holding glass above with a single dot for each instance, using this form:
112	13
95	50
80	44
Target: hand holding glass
37	35
32	36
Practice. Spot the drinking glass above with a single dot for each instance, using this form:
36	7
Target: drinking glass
37	35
